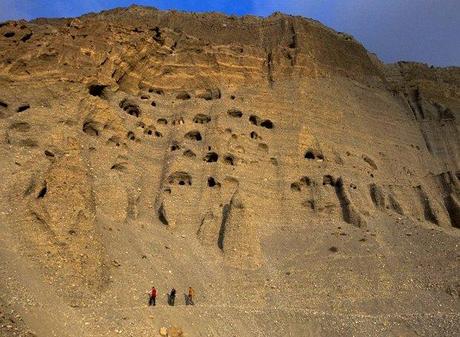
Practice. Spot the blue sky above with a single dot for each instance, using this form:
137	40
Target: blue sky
418	30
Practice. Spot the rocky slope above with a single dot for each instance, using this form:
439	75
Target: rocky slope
302	187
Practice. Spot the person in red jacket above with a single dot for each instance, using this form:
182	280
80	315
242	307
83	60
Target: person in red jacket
153	296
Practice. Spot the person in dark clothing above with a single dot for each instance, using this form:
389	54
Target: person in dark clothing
153	296
172	297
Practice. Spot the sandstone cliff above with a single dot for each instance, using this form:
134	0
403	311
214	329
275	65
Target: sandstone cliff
273	156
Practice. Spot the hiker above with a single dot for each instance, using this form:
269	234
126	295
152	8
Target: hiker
191	294
172	296
153	296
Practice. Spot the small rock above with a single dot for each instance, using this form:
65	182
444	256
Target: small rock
174	332
163	331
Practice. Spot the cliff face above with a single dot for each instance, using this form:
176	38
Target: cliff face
266	162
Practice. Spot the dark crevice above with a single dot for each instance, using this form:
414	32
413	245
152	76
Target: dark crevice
157	35
229	159
427	142
130	135
445	114
193	135
343	200
428	211
201	119
370	161
309	155
162	215
270	69
412	109
20	126
349	214
90	128
254	119
333	249
394	204
180	178
268	124
377	196
157	91
306	181
183	95
293	43
118	167
49	153
175	146
296	187
96	90
225	214
189	154
23	107
211	157
152	132
42	192
453	209
210	94
130	108
418	102
313	154
449	185
328	180
235	113
114	140
212	182
26	37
